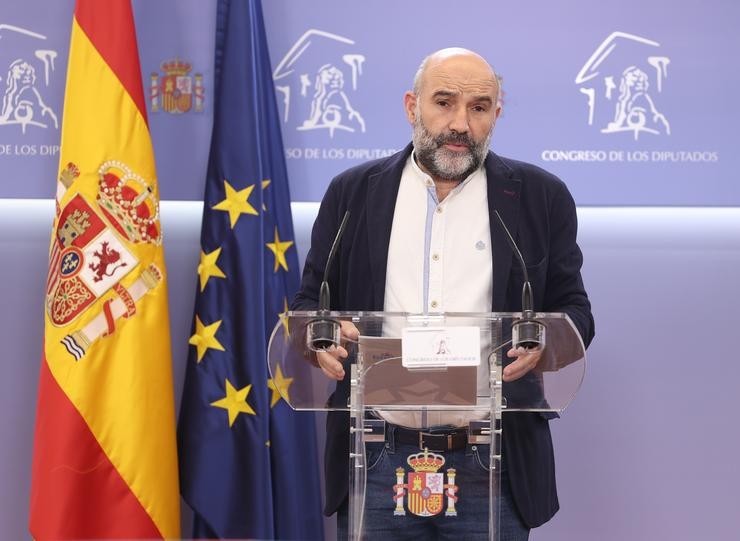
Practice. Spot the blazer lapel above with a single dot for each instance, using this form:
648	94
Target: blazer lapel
504	192
382	192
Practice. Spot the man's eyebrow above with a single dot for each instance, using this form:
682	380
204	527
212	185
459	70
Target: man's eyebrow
445	94
452	94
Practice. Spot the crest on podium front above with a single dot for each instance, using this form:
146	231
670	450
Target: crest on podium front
425	489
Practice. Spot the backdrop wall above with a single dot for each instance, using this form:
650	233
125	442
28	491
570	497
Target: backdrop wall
630	102
649	447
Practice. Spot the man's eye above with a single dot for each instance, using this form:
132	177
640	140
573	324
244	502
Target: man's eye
443	103
479	109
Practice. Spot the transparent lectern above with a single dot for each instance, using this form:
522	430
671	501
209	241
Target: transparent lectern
421	371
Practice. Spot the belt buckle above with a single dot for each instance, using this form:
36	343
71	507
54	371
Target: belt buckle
422	446
421	440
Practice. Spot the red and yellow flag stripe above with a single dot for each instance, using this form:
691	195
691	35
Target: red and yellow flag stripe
105	462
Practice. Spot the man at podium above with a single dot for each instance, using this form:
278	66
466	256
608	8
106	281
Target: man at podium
419	240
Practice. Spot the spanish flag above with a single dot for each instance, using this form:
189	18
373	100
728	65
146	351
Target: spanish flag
105	463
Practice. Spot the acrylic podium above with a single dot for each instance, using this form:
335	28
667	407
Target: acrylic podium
421	371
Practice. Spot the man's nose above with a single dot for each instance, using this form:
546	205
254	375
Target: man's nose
459	122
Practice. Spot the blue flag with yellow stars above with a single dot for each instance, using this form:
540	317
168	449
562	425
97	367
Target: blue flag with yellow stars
248	464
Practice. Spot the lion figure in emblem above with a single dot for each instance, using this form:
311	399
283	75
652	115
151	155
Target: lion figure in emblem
106	257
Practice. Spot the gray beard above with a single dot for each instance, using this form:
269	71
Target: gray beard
443	163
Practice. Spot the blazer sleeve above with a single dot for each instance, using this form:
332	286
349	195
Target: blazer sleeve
565	291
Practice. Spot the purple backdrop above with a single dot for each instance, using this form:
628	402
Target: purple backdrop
644	117
631	104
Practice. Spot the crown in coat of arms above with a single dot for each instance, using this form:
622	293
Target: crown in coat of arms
176	67
426	461
129	202
68	175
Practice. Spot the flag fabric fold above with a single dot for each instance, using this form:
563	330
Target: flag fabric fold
105	460
248	465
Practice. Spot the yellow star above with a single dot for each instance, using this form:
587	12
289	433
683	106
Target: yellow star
235	402
279	386
284	318
279	248
236	203
208	267
265	184
205	337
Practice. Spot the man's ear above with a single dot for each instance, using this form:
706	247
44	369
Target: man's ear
409	105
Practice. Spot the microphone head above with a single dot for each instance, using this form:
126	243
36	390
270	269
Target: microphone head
527	333
322	333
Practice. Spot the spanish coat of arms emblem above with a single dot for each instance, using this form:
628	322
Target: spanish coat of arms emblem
425	486
92	252
176	91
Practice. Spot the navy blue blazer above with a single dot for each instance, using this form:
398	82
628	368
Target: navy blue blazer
540	213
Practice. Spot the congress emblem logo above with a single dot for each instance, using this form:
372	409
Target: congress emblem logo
426	487
25	77
176	91
318	79
623	81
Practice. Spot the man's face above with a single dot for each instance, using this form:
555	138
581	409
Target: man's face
448	155
453	116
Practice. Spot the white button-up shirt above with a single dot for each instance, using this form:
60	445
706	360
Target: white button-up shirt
439	257
439	260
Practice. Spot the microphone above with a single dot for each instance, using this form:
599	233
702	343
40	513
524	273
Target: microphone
526	332
324	331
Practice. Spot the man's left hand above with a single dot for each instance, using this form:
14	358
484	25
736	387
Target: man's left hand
525	360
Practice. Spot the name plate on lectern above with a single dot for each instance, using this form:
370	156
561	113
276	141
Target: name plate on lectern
440	347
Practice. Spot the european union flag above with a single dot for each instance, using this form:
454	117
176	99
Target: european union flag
247	461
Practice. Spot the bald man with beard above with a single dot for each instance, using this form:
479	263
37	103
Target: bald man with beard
422	238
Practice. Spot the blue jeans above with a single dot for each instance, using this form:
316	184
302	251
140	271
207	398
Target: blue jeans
471	522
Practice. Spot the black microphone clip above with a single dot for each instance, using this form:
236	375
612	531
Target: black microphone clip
526	332
324	331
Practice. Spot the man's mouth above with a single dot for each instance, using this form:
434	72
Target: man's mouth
457	147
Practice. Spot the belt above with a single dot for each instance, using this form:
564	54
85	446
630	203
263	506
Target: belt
453	440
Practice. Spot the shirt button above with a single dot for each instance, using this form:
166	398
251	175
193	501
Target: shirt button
439	210
435	257
434	304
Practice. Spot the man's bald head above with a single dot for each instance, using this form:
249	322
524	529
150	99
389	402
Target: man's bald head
453	109
455	56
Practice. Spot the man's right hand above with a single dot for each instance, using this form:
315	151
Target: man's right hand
330	361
